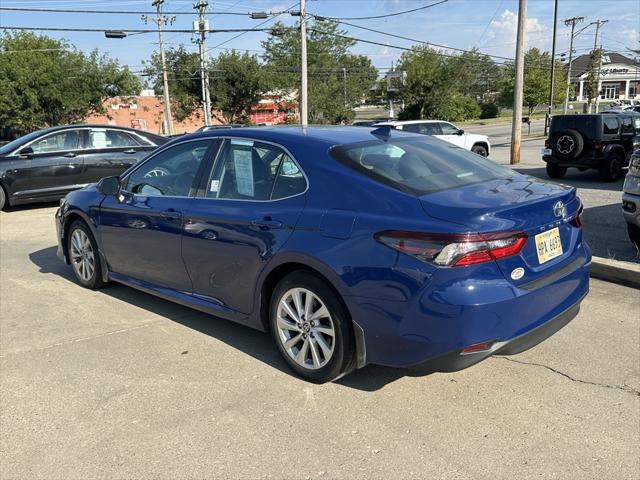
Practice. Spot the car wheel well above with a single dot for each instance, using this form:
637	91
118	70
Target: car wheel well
277	274
481	144
68	221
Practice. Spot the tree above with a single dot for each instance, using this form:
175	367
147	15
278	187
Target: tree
338	80
591	83
474	74
237	84
183	75
537	78
45	82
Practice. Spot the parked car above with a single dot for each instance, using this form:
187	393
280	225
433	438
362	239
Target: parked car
593	141
206	128
46	164
350	245
631	196
446	131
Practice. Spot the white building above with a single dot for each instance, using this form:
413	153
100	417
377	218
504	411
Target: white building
619	77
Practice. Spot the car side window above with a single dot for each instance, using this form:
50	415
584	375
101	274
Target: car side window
448	129
627	126
169	173
412	128
251	170
610	126
57	142
107	138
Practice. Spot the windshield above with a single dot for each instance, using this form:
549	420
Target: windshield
11	146
418	165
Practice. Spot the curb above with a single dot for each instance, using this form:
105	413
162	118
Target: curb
615	271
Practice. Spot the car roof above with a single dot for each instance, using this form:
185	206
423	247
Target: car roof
409	122
329	135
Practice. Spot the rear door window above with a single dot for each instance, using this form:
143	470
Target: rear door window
417	166
610	126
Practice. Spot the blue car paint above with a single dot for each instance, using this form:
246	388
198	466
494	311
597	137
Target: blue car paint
409	311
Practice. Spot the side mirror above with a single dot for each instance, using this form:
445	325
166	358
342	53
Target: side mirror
109	186
460	132
26	152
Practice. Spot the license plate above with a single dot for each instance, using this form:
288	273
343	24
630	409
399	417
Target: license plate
548	245
546	151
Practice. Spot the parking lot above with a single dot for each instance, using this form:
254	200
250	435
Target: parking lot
120	384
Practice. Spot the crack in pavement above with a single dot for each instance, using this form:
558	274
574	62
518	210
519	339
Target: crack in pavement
625	388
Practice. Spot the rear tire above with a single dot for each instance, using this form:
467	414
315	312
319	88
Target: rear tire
568	144
555	171
311	327
611	168
634	234
3	198
84	255
480	150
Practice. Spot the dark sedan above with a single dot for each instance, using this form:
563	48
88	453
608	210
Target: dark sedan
47	164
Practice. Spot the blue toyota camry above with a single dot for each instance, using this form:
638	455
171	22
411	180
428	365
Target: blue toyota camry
350	245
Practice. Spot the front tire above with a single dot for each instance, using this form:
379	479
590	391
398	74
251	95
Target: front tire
3	198
611	169
311	327
556	171
634	234
84	255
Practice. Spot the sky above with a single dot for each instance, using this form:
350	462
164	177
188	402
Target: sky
488	25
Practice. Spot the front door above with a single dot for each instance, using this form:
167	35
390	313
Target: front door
53	169
141	228
451	134
247	211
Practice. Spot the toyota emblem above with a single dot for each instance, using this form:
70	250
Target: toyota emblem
558	209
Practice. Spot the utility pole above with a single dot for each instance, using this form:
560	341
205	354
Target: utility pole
570	21
547	120
160	20
516	124
202	26
595	45
344	77
304	112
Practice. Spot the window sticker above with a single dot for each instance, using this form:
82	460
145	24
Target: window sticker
99	138
244	172
244	143
215	185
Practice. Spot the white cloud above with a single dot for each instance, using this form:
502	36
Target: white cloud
501	37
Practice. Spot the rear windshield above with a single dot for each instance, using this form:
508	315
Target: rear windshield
587	124
418	165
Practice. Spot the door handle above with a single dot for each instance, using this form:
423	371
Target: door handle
131	150
171	214
266	224
69	155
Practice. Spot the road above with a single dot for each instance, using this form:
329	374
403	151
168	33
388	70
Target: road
604	226
119	384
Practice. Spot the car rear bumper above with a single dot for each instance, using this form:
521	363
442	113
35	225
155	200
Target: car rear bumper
581	162
468	306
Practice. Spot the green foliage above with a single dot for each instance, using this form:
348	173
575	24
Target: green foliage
183	75
332	91
489	110
46	82
236	84
591	82
436	86
537	78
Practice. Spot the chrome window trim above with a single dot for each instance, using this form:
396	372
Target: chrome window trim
135	134
62	130
268	142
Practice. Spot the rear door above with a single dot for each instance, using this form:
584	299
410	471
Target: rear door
111	151
54	168
246	210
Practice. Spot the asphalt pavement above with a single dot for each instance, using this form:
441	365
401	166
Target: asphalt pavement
119	384
604	227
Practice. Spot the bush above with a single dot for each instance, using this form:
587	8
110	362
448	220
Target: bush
464	108
489	110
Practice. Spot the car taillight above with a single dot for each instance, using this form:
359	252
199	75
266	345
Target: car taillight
597	144
547	143
454	250
577	220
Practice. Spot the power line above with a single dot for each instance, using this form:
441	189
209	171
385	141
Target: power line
388	14
134	31
118	12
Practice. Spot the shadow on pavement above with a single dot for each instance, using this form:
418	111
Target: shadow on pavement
575	178
30	206
252	342
606	233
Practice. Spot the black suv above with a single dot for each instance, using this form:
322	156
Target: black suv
600	141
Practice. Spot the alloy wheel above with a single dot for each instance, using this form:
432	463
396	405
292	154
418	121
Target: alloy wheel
82	255
305	328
